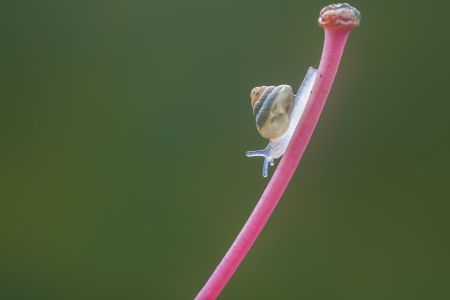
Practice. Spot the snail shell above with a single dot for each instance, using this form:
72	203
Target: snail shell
272	107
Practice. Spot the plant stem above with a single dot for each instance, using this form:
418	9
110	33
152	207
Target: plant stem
334	43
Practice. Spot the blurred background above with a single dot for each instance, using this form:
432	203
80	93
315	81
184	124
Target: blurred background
123	131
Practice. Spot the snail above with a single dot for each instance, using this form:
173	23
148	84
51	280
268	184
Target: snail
277	112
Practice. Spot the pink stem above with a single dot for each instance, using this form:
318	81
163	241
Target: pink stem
332	51
337	20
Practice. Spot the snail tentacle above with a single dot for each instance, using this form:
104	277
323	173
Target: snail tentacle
267	159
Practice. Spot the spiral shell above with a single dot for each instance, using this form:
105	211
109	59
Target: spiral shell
272	106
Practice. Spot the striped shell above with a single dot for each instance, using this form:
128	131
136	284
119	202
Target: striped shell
272	106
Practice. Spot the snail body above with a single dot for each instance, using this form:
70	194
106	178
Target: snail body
277	112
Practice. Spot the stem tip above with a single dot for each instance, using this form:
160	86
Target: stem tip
339	16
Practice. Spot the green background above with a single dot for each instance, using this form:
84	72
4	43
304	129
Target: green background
123	128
